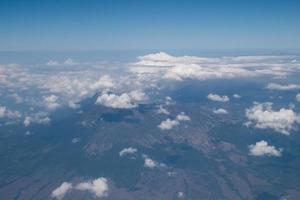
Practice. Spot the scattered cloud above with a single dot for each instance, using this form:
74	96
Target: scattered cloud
38	118
148	162
51	102
262	148
237	96
127	151
275	86
6	113
220	111
216	97
263	116
298	97
162	110
98	187
183	117
62	190
169	123
124	101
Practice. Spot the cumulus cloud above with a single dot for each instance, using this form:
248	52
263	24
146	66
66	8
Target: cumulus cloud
216	97
123	101
262	148
162	110
263	116
169	123
51	102
275	86
127	151
148	162
298	97
220	111
98	187
203	68
183	117
38	118
6	113
62	190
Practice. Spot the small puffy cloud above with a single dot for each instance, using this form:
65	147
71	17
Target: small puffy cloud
298	97
220	111
123	101
38	118
62	190
127	151
6	113
51	102
168	124
237	96
275	86
104	82
162	110
98	187
263	116
216	97
262	148
115	101
148	162
183	117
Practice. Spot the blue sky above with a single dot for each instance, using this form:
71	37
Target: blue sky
138	24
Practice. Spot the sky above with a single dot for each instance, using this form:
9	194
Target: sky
145	24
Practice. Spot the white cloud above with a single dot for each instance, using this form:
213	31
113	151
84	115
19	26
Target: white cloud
148	162
124	101
262	148
298	97
275	86
183	117
180	195
51	102
216	97
220	111
202	68
54	63
38	118
127	151
263	116
62	190
162	110
99	187
6	113
237	96
169	123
